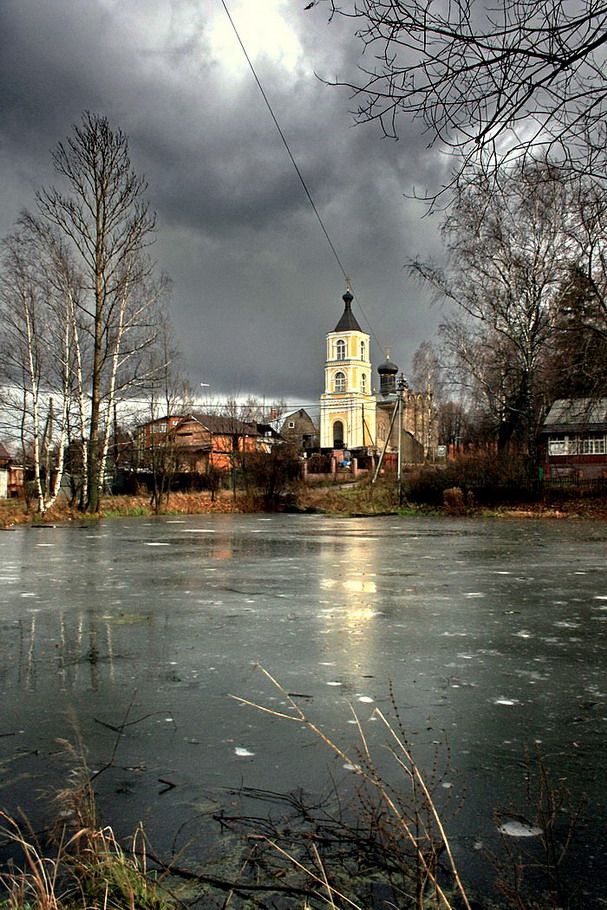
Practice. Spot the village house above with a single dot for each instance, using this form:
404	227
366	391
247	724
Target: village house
573	439
11	475
196	443
299	429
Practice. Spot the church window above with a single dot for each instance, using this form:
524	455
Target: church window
363	351
338	435
340	349
339	383
363	383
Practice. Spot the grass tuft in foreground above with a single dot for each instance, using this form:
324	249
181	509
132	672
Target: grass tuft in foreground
80	865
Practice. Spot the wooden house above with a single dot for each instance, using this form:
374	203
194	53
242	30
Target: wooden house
573	439
11	475
300	430
194	443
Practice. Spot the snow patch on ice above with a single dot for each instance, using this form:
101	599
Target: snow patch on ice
241	752
518	829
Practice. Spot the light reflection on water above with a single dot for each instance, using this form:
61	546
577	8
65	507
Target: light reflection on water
491	635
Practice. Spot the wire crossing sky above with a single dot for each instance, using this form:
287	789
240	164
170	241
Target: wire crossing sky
254	282
300	175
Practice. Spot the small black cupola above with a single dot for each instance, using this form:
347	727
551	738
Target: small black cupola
387	376
348	322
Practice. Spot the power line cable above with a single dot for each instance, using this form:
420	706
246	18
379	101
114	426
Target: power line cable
297	170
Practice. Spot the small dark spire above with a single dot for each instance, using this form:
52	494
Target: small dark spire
348	321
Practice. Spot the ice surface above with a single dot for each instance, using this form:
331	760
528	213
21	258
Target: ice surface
341	612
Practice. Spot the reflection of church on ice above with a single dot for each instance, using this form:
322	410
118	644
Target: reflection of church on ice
353	417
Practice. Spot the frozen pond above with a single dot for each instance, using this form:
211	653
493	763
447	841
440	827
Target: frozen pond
492	634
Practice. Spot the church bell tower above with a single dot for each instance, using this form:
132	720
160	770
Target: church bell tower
347	407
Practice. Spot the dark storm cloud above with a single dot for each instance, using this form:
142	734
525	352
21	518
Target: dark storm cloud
256	285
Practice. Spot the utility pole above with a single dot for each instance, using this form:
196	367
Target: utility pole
402	385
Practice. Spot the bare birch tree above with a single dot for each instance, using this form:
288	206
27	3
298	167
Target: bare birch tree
37	301
169	395
105	219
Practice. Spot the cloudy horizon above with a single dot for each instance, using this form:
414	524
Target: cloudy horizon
255	283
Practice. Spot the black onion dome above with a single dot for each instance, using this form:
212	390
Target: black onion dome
348	322
388	366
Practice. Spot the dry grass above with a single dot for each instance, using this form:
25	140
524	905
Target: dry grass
15	512
412	830
80	865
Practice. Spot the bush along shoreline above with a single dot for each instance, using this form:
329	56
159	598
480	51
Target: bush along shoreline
423	494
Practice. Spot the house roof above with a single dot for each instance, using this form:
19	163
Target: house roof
576	414
226	426
301	413
268	429
217	424
348	322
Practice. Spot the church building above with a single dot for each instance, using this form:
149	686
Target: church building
347	407
353	416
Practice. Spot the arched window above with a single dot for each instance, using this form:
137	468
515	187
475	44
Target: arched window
338	435
340	349
363	383
339	383
363	351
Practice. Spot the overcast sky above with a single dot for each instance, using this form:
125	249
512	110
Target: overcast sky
255	284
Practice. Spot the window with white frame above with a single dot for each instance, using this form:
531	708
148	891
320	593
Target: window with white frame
577	445
340	349
593	445
339	382
557	445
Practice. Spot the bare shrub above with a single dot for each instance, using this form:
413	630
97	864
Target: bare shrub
454	501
